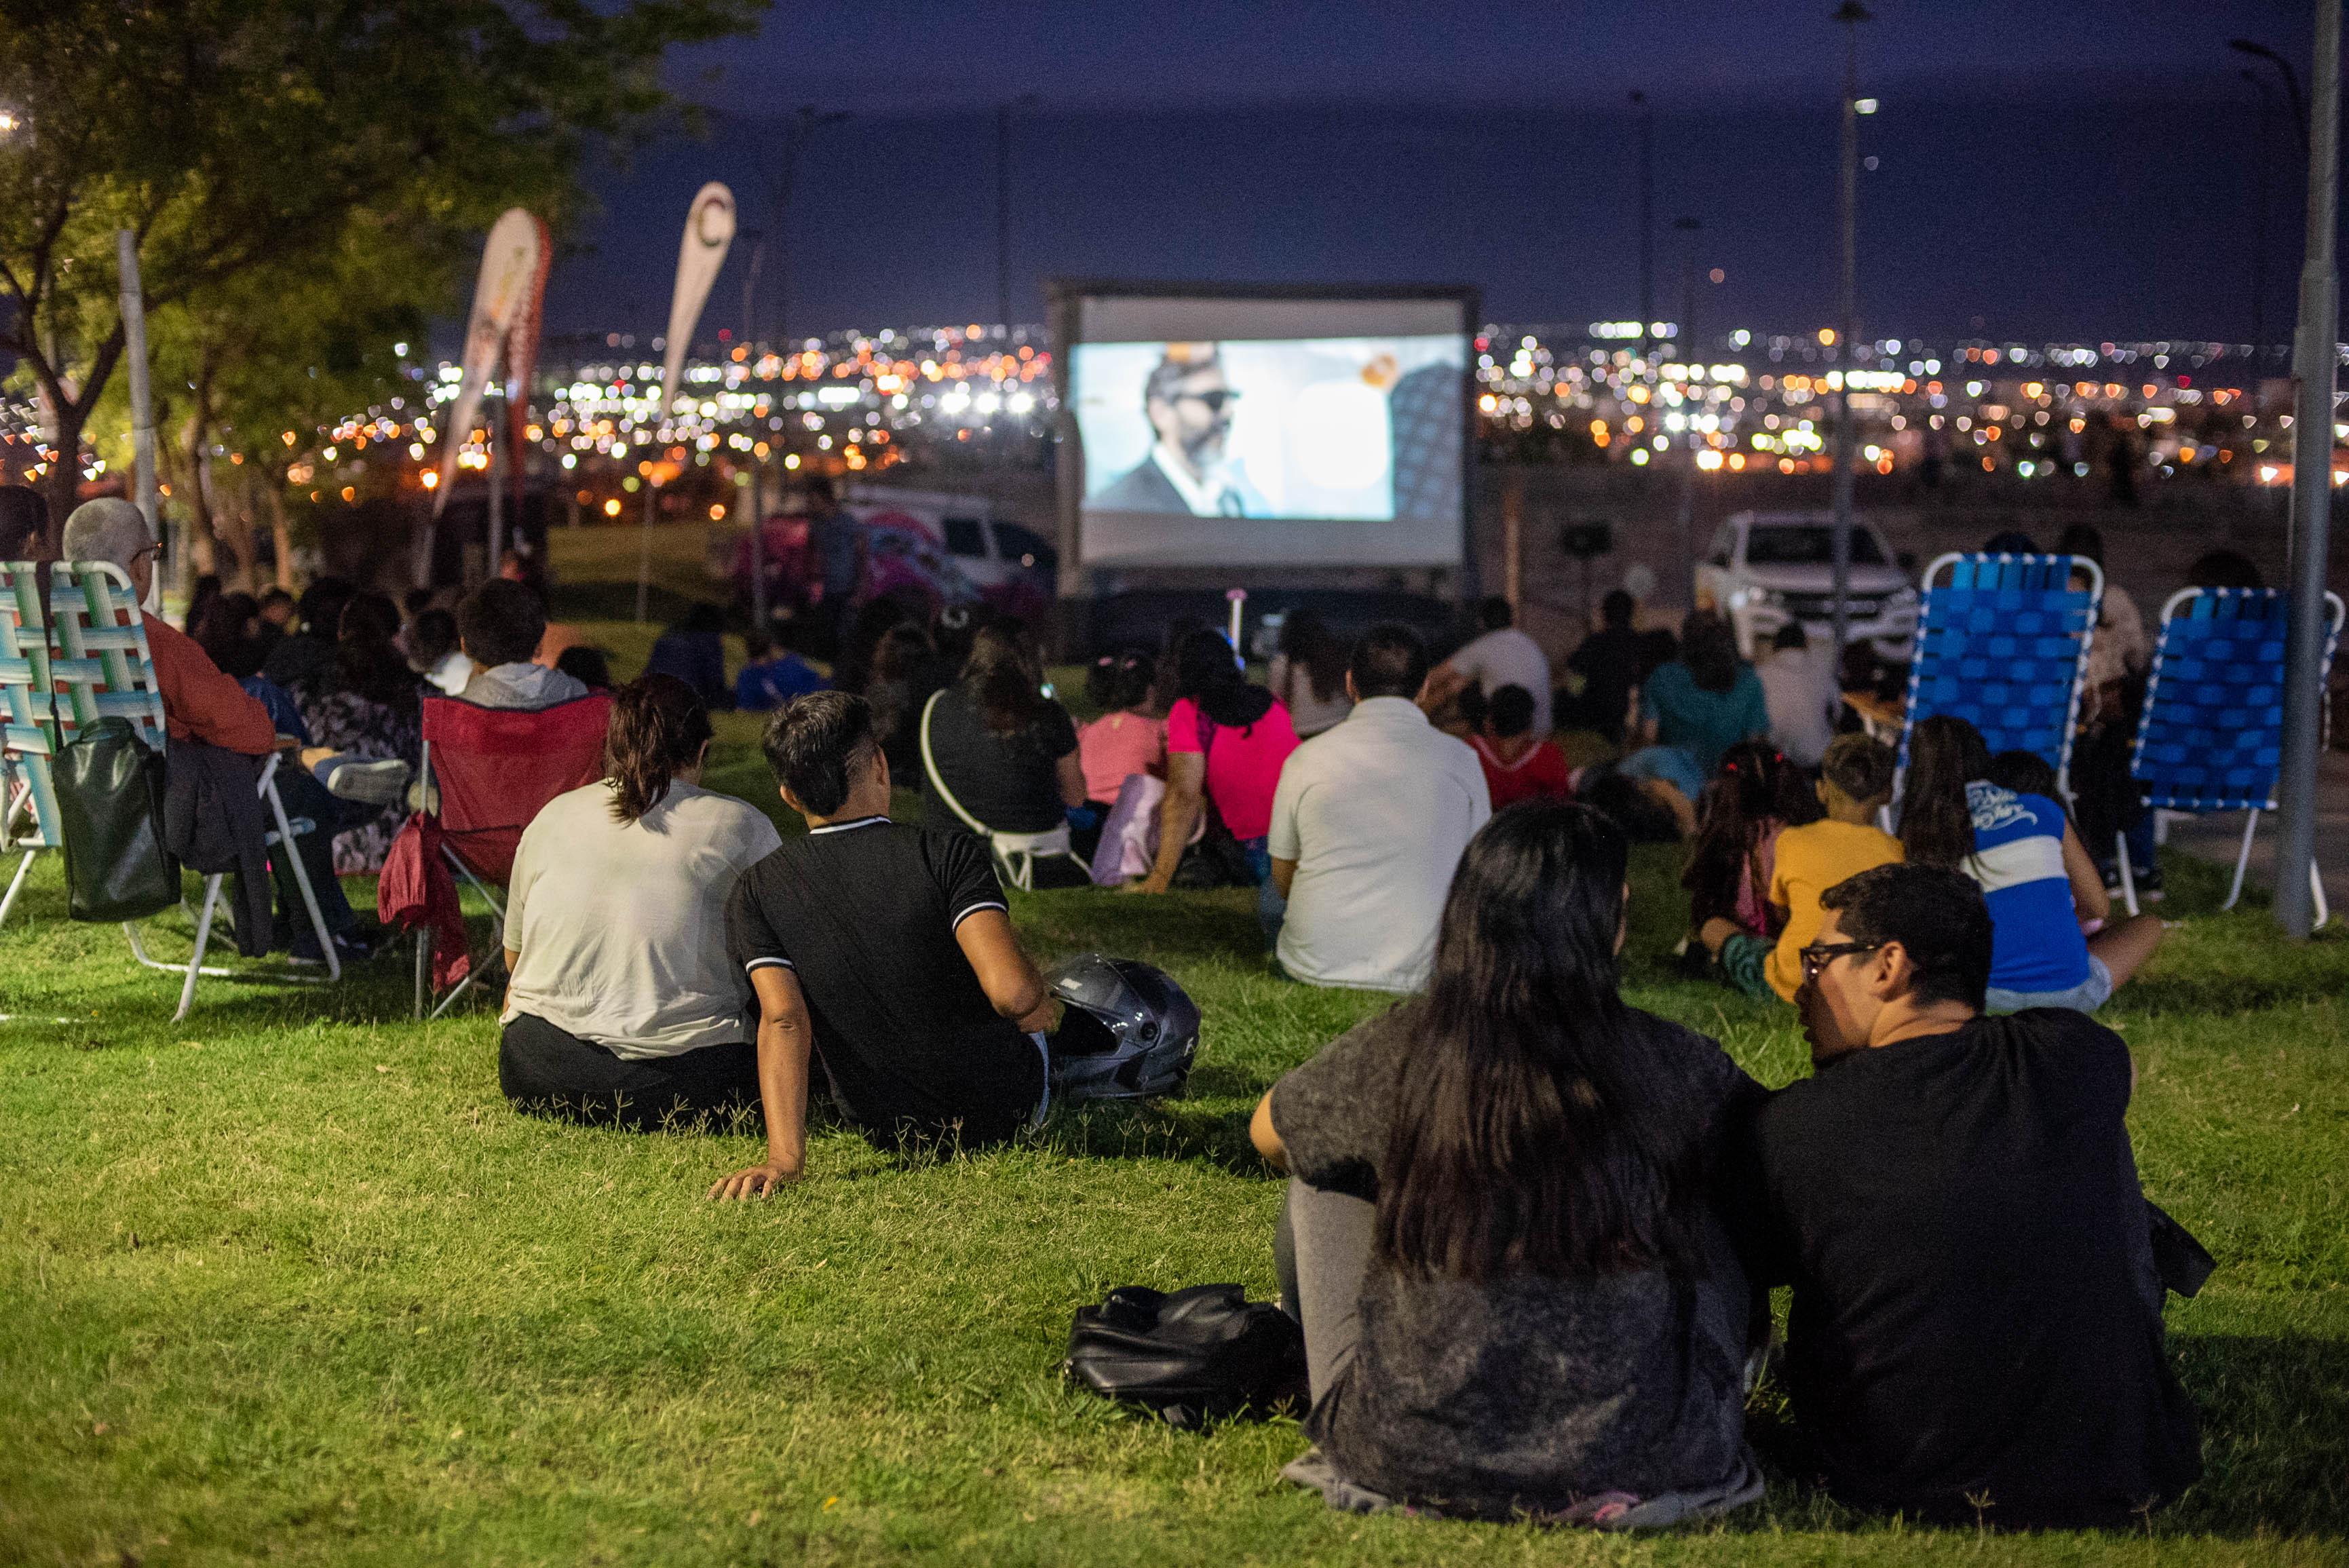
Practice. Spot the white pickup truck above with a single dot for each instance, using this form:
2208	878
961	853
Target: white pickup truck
1767	568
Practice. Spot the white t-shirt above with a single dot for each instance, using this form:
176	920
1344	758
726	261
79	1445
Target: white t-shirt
1508	657
1796	691
1375	813
621	927
1293	685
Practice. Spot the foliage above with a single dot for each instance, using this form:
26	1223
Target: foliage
259	149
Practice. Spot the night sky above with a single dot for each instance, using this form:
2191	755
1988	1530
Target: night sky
2047	168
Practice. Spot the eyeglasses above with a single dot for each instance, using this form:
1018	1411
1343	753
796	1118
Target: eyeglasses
1214	400
1819	955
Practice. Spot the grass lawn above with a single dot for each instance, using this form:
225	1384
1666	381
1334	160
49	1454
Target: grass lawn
290	1281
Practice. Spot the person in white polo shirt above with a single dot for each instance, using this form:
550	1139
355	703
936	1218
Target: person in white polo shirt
1368	825
1502	656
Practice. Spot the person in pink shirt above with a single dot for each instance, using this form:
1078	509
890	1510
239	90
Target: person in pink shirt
1127	740
1226	740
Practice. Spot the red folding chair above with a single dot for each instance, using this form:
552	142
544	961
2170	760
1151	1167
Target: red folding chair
487	772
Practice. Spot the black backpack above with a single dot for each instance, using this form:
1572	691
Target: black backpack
1190	1356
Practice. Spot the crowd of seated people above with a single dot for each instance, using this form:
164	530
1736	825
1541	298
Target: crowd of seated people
1529	1230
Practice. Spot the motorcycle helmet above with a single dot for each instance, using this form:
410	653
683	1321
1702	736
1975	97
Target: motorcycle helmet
1127	1030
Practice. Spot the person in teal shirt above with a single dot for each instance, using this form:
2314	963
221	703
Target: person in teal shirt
1696	707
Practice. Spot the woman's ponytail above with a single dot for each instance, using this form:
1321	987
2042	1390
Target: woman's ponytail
659	728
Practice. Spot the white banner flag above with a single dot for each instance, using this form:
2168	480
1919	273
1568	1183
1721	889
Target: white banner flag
512	268
709	230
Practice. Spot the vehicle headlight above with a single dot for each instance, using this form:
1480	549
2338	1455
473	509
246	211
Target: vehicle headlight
1756	598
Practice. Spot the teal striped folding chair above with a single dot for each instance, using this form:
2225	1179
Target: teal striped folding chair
102	668
2211	737
28	729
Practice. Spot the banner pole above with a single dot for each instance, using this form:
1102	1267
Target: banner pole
645	552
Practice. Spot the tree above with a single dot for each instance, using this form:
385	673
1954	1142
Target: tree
238	138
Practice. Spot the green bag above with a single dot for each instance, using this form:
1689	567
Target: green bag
110	787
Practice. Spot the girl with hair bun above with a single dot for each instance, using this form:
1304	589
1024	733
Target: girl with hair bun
624	1005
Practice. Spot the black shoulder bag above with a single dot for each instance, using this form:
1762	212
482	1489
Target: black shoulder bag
1189	1356
109	786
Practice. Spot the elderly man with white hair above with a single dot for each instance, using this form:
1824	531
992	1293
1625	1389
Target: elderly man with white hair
202	702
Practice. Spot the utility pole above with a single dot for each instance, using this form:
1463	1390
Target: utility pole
1647	116
1851	14
1003	113
2259	184
797	131
1689	354
2315	356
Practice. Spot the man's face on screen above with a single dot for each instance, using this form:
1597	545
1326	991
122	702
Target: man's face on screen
1195	417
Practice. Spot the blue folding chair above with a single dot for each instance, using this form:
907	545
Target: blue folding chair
2211	739
2002	643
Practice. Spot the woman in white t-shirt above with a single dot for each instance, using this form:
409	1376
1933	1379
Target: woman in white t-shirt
624	1005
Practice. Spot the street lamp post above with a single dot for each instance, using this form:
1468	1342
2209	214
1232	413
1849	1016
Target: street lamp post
2314	354
2260	182
1647	114
1851	14
1003	113
1690	228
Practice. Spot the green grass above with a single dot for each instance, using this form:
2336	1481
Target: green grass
290	1281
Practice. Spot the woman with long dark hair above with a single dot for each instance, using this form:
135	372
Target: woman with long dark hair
1500	1237
1000	758
1226	740
2043	890
1693	710
624	1005
1308	673
1756	792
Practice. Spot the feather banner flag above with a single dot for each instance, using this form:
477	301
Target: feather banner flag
521	364
709	230
513	271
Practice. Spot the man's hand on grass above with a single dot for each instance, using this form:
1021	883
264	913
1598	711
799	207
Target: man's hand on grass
753	1182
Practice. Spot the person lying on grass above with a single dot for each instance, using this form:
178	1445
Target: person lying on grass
888	950
1500	1235
1976	1335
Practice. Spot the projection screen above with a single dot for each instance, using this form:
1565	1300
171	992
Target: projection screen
1272	428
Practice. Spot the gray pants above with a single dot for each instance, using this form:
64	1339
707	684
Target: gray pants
1320	1250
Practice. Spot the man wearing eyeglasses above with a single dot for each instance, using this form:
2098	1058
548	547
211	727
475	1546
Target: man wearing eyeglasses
1189	405
1976	1334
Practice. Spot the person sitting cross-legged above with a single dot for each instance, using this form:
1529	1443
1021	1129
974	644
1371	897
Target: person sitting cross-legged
1502	1238
1976	1335
1368	825
623	1005
886	949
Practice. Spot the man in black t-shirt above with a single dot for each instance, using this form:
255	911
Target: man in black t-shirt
885	951
1976	1332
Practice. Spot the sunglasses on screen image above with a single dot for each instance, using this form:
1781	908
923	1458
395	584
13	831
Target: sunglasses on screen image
1216	400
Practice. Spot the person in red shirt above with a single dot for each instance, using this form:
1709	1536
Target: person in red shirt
1518	766
201	701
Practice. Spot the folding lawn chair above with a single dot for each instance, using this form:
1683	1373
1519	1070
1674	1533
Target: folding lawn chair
487	772
101	667
28	730
2002	643
2211	738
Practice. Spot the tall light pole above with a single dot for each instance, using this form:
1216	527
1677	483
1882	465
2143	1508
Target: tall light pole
797	131
2314	353
1647	116
2282	68
2260	182
1688	227
1851	14
1003	113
